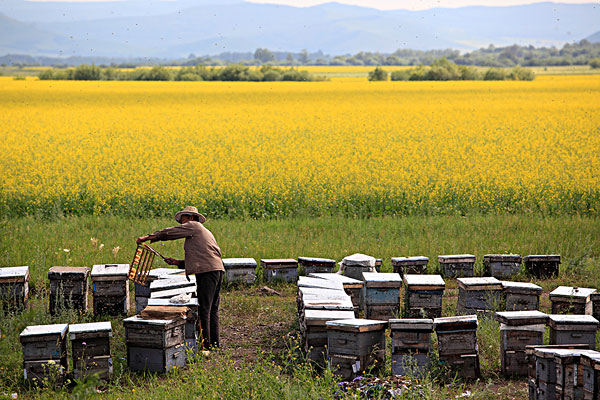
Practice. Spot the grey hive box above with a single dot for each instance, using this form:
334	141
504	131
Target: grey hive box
423	295
240	270
381	295
410	265
69	289
592	305
518	329
457	265
192	329
590	361
521	296
411	341
284	269
356	264
569	373
309	265
573	329
502	266
14	288
352	287
110	289
569	300
542	266
314	333
457	344
45	352
91	349
356	345
479	295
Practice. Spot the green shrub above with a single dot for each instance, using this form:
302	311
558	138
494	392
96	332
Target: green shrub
378	74
401	75
18	78
469	73
417	74
519	73
594	63
46	75
494	74
295	75
157	74
86	72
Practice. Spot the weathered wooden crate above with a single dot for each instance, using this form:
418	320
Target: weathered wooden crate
102	366
323	299
154	274
170	293
411	339
348	366
352	287
573	329
314	332
521	296
410	265
45	371
456	335
309	265
423	295
14	288
479	295
569	300
545	366
502	266
465	366
569	377
310	282
240	270
531	358
592	305
590	361
192	329
45	342
154	333
110	289
457	265
356	264
410	364
158	360
90	340
546	391
111	305
280	269
542	266
68	289
381	295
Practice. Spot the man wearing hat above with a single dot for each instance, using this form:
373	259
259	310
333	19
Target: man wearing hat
202	258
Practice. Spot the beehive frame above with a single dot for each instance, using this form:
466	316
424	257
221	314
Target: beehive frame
141	265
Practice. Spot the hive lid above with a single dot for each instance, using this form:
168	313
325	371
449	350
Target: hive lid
345	280
92	327
360	260
159	272
575	294
415	260
157	322
502	258
110	270
68	272
44	330
321	293
320	317
457	258
411	324
315	260
458	322
520	287
593	359
167	294
424	282
172	283
521	318
542	257
232	263
357	325
310	282
14	274
327	304
276	263
166	302
567	356
564	322
479	283
386	279
553	352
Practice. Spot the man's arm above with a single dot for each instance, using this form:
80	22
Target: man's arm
173	233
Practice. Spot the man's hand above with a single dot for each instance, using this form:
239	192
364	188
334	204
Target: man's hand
142	239
172	261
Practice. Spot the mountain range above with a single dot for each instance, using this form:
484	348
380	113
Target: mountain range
172	29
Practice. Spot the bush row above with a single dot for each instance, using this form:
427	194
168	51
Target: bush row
234	72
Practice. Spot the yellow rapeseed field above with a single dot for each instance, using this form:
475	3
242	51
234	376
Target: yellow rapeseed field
344	146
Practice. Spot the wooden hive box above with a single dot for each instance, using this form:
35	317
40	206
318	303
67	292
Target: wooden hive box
592	305
156	360
314	333
192	328
519	329
521	296
410	265
569	300
356	264
590	360
14	288
110	289
411	341
309	265
457	265
532	359
502	266
352	287
90	344
172	285
283	269
169	293
154	333
423	295
381	295
240	270
322	299
542	266
569	373
154	274
310	282
68	289
356	345
457	344
45	352
573	329
479	295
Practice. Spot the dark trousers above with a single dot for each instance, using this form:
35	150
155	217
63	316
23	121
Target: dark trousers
208	286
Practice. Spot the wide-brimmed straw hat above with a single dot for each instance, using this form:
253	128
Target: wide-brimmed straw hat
189	210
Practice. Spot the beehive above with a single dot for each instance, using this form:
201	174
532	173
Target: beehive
521	296
68	289
457	265
192	328
410	265
590	361
309	265
313	331
381	295
240	270
592	305
573	329
45	352
542	266
90	345
311	282
356	345
110	289
378	264
352	287
423	295
356	264
142	292
569	300
479	295
280	269
545	373
411	340
173	285
457	344
502	266
14	288
569	374
518	329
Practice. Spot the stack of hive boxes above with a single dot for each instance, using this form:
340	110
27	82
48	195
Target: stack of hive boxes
502	266
14	288
68	289
45	352
457	265
411	339
569	300
192	327
410	265
110	289
457	344
282	269
169	286
91	349
381	295
311	265
479	295
240	270
521	296
352	287
423	296
142	292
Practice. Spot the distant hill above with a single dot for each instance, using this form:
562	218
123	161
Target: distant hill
171	29
594	38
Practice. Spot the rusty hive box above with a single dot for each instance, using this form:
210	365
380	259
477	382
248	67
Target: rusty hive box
542	265
14	287
569	300
573	329
410	265
423	295
44	342
502	266
285	269
110	289
521	296
478	295
154	333
310	265
457	265
240	270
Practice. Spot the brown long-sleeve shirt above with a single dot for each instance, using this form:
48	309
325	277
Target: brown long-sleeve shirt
202	253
